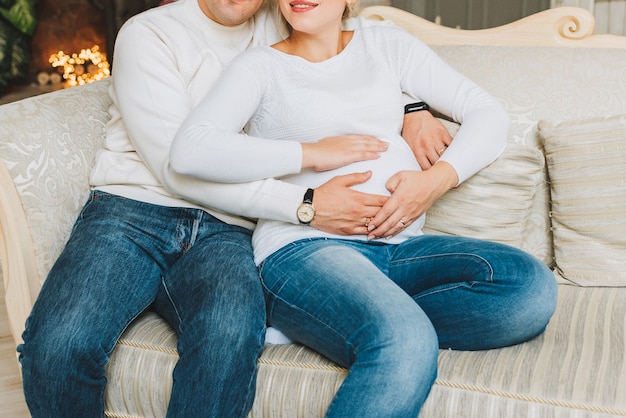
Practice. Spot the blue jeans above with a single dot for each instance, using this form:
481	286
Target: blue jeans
384	310
124	257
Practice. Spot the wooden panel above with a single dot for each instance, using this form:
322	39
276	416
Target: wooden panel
473	14
585	4
417	7
610	16
12	402
4	318
562	27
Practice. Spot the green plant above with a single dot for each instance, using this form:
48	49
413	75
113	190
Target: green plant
18	22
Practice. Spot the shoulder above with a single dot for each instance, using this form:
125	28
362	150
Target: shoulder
256	63
386	32
361	22
168	19
389	39
255	56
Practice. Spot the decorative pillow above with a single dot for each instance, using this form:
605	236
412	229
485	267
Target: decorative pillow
587	169
495	203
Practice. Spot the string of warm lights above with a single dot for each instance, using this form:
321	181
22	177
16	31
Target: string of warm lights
85	67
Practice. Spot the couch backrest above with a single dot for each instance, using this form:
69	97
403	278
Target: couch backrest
550	69
543	83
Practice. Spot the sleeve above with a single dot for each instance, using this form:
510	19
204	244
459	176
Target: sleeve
153	101
484	121
210	145
361	22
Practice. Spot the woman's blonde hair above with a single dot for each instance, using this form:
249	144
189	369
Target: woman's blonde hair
285	28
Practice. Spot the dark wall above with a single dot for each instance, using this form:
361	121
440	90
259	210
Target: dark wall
68	26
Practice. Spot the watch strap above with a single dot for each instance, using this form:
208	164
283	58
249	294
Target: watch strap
308	196
416	107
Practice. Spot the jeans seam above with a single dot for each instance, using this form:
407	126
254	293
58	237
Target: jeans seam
169	297
465	255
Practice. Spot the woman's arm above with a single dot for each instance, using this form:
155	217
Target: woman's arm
479	141
210	145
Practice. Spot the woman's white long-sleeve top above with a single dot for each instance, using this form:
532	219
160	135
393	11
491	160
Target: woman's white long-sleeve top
283	100
166	61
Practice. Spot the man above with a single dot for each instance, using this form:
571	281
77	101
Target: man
147	238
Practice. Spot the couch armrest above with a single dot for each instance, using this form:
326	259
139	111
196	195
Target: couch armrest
48	145
17	256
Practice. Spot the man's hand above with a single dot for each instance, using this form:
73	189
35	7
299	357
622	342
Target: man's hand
412	194
343	211
426	136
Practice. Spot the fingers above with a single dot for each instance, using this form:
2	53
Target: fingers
437	152
342	210
338	151
427	154
366	147
392	226
392	218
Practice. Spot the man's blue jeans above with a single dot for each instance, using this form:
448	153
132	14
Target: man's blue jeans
384	310
123	257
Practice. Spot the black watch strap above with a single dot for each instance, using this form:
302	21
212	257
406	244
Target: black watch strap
416	107
308	196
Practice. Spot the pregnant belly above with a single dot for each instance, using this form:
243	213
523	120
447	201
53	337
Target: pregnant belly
398	157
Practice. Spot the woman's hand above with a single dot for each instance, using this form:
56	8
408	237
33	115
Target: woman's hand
412	194
426	136
338	151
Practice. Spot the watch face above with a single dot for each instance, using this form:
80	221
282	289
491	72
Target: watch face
306	213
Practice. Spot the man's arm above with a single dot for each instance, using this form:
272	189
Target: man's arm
154	101
479	140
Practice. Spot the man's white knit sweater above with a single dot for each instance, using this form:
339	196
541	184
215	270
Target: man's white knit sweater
166	61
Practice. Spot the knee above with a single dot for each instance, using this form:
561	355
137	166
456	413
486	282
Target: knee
544	298
407	345
61	350
534	303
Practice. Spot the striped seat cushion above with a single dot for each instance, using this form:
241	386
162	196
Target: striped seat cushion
575	369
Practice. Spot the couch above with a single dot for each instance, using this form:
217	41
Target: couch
558	192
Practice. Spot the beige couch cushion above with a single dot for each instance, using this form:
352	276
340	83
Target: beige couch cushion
536	83
494	204
574	369
587	169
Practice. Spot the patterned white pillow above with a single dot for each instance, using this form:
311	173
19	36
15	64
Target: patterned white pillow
587	168
496	203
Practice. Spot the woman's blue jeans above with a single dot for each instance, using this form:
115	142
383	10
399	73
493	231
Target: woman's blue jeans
123	257
384	310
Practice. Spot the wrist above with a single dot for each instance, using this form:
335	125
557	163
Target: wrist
306	155
306	211
446	174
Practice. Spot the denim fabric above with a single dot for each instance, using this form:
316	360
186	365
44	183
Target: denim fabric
123	257
384	310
